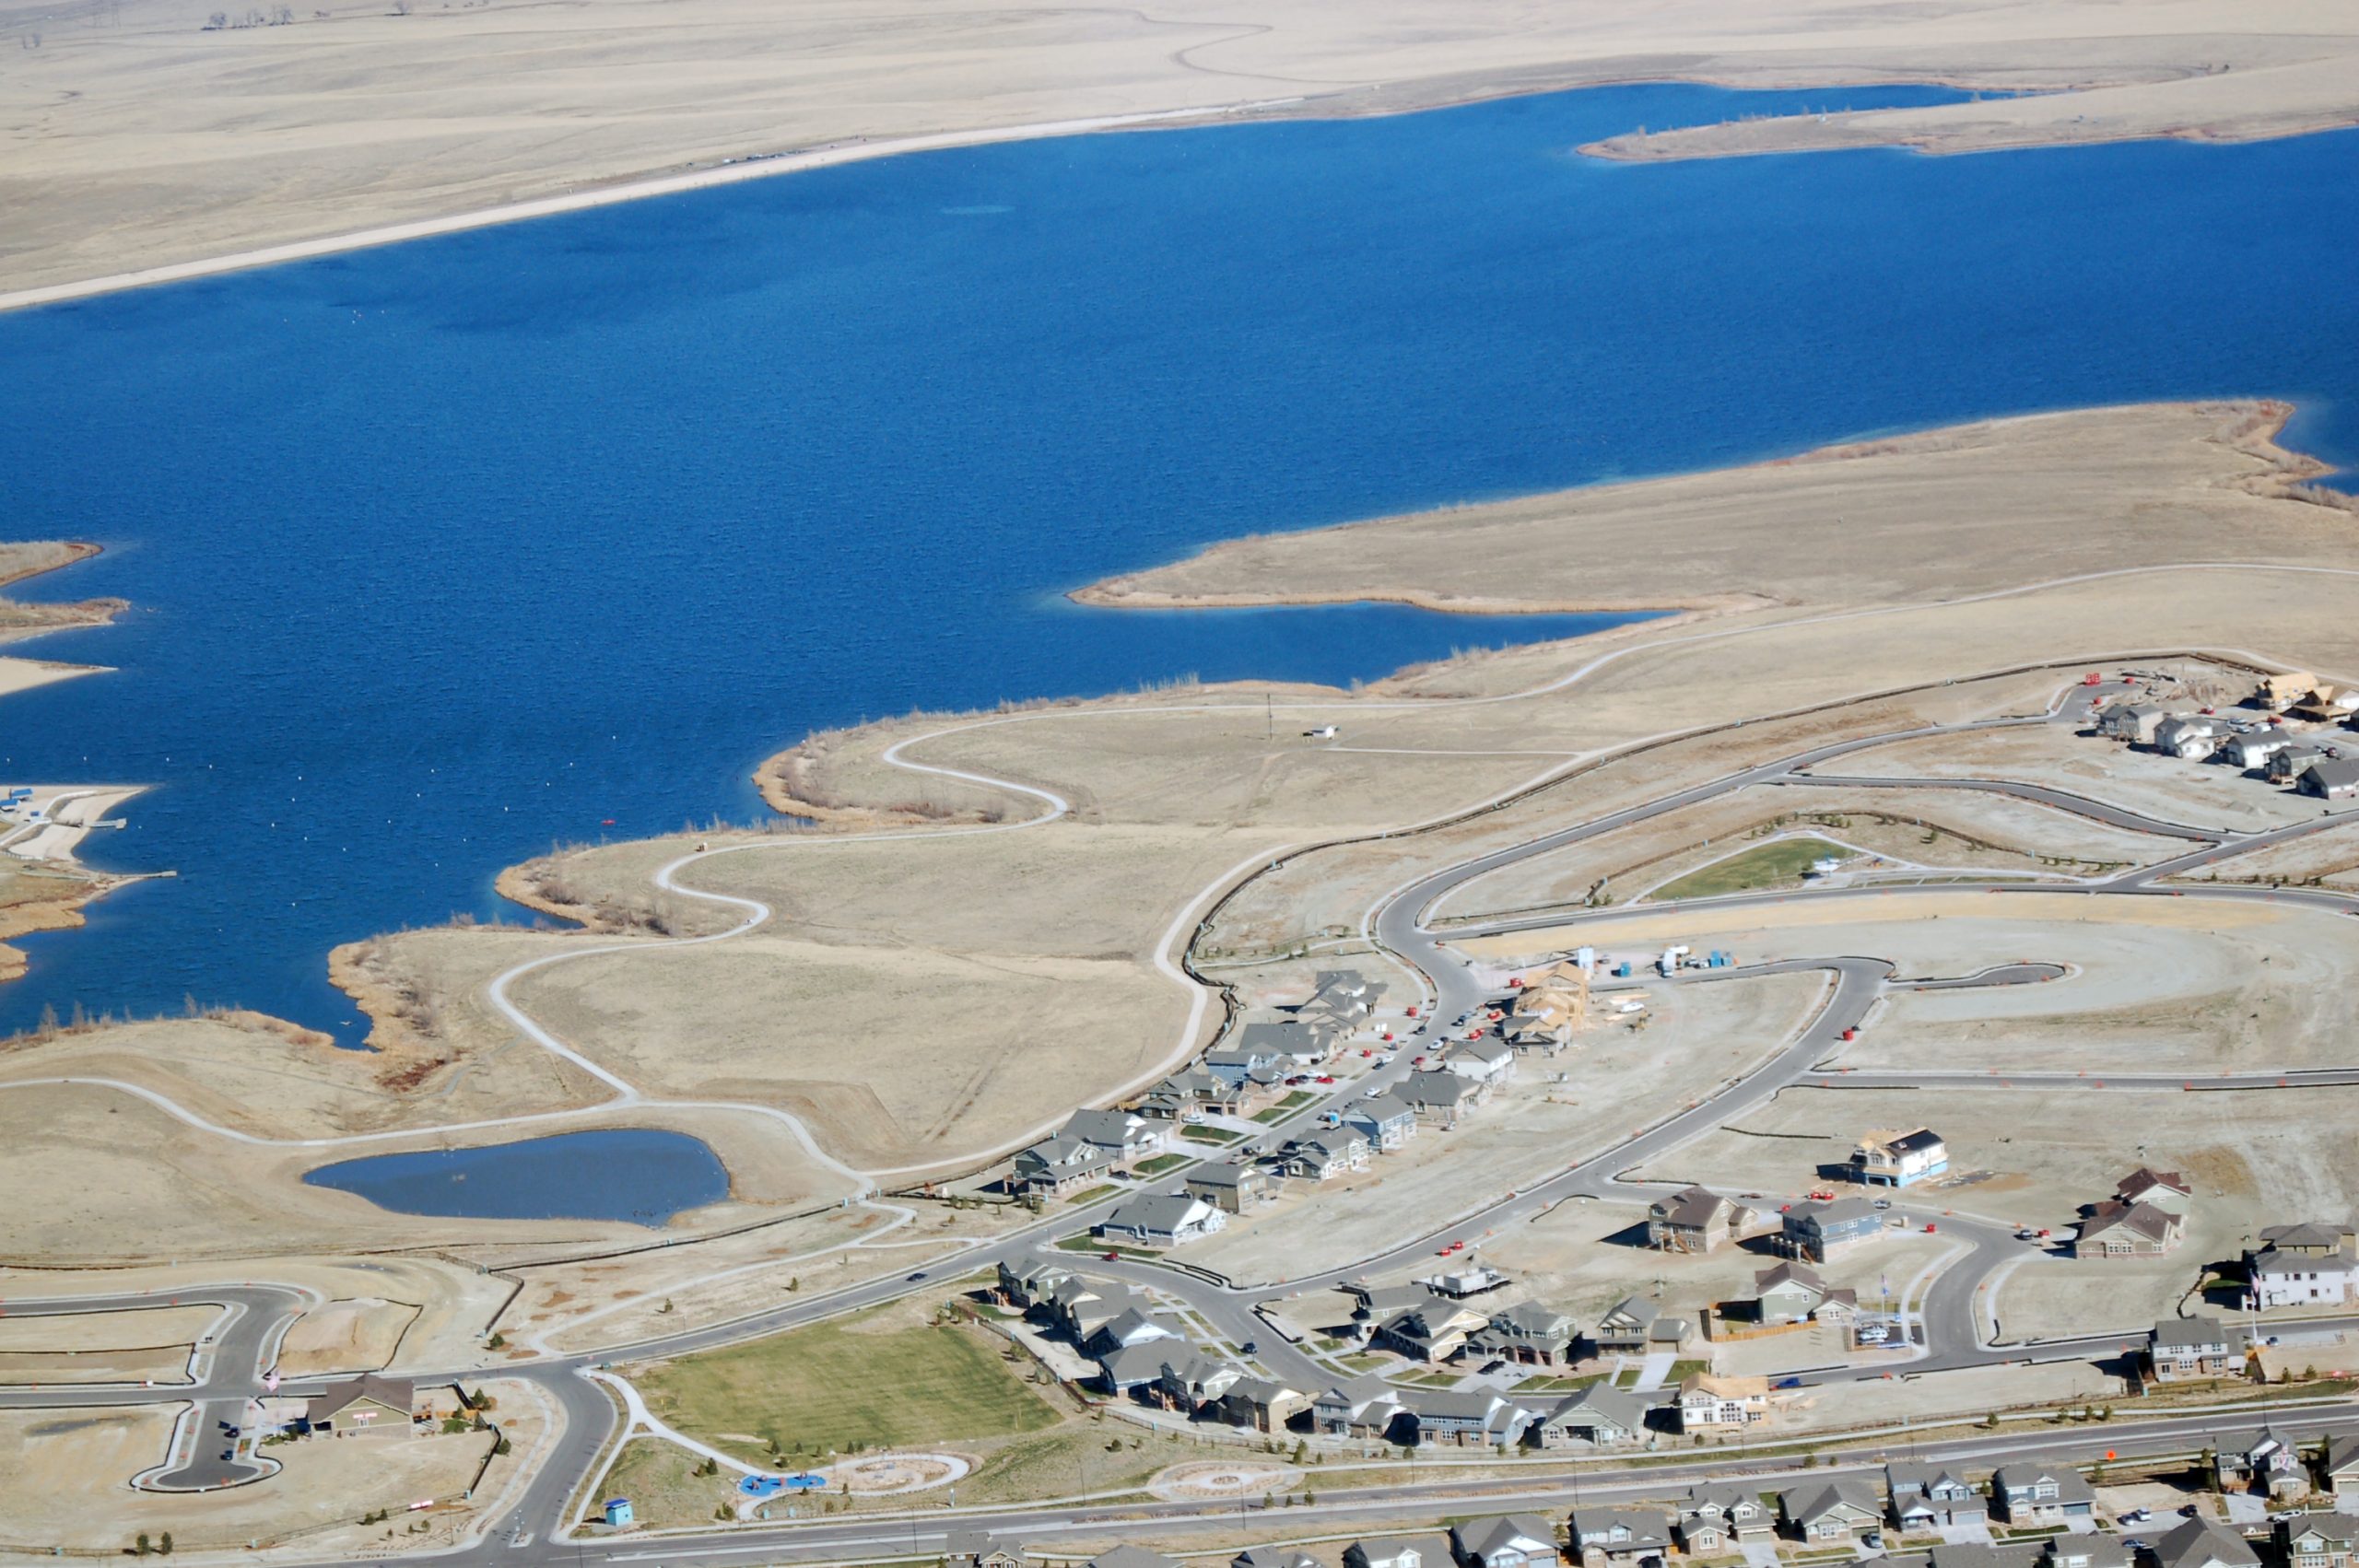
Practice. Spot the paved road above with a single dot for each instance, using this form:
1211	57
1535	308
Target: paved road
2060	800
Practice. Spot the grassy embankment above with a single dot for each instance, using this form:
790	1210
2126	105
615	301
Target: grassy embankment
1765	866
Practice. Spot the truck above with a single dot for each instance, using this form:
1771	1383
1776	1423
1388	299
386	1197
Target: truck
1669	963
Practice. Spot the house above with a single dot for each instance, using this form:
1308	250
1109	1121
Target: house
1627	1327
1385	1121
1441	1096
1620	1537
1133	1557
2292	762
1829	1510
2274	1279
1505	1540
1982	1555
1273	1556
1234	1064
2187	735
1027	1285
2076	1549
1721	1516
1899	1159
1920	1497
2281	691
1232	1189
1161	1219
1190	1383
1433	1330
980	1549
2131	721
2315	1539
2327	705
1823	1230
1796	1293
2114	1229
1126	1136
1346	991
2184	1348
1371	1305
1599	1415
2264	1461
1102	1333
1259	1403
1384	1553
1297	1044
369	1403
1694	1220
1466	1418
1059	1164
1485	1061
1716	1404
2311	1240
2338	1465
1527	1333
2203	1543
1477	1278
2041	1494
2164	1189
2253	748
2330	778
1192	1093
1365	1407
1335	1153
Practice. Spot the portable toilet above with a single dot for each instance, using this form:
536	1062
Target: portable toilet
618	1511
1586	957
1622	970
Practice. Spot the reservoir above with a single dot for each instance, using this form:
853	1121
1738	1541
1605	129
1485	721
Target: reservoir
640	1175
444	552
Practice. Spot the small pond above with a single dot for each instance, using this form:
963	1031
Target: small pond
639	1174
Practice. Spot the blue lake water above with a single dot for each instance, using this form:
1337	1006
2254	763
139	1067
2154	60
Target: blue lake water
445	551
642	1175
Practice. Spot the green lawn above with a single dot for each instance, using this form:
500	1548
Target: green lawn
1209	1135
1162	1162
1092	1195
832	1385
1284	1108
1766	866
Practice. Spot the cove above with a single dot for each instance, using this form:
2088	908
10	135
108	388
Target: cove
445	551
642	1175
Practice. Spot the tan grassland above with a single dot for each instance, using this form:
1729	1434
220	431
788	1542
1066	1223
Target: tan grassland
346	1336
140	138
174	1327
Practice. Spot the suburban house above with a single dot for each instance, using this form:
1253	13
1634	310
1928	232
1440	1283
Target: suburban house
2180	1349
1722	1517
2311	1239
1344	993
2330	778
1466	1418
1599	1415
1433	1330
367	1404
1485	1061
1384	1554
2253	747
1718	1404
1899	1159
1365	1407
1273	1556
1161	1219
1923	1497
1694	1220
1133	1557
2327	705
2203	1543
2316	1538
1620	1537
1120	1321
980	1549
1129	1369
2187	736
1126	1136
1027	1285
1295	1044
2281	691
1442	1096
1829	1510
1796	1293
1527	1333
1385	1121
2165	1189
2338	1465
1234	1064
1190	1383
2264	1461
2041	1494
1324	1156
1505	1540
1060	1163
2292	762
2131	721
1192	1093
2073	1550
1823	1230
2273	1279
1232	1189
1635	1328
1259	1403
2115	1229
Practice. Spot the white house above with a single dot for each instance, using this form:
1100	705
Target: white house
2291	1278
1162	1219
1719	1404
2187	736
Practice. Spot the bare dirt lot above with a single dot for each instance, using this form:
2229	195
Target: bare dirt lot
346	1336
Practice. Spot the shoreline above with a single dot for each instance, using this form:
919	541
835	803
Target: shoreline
1759	70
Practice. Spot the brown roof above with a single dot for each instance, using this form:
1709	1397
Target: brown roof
392	1393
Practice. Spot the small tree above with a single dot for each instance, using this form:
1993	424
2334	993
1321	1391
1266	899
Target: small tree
140	1547
164	1545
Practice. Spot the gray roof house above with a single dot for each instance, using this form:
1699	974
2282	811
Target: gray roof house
1821	1231
2041	1494
1527	1333
980	1549
1273	1556
1060	1163
1926	1497
1627	1326
1161	1219
2330	778
1600	1414
1366	1406
2338	1464
1385	1121
2202	1543
2182	1348
1505	1540
1122	1134
1442	1096
2317	1537
1622	1538
1829	1510
1466	1418
1133	1557
1391	1552
1719	1515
